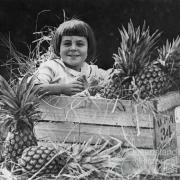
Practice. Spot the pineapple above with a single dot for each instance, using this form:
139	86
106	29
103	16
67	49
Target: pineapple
18	114
134	54
42	160
163	74
96	161
77	161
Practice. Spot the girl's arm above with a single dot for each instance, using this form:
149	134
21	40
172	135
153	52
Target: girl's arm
66	89
51	89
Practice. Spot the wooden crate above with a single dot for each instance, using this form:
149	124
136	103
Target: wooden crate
151	126
167	136
76	119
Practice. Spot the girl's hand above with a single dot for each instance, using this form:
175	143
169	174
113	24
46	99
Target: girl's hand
73	88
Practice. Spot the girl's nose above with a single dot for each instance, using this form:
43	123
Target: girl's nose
73	47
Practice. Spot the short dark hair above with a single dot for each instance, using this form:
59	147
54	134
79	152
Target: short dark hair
75	27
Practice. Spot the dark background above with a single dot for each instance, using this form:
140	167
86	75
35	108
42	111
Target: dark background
20	18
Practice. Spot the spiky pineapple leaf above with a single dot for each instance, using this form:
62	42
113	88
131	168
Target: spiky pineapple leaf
111	149
34	96
27	122
23	105
136	48
32	93
34	115
22	87
169	49
5	89
7	124
27	106
5	120
8	102
5	85
8	95
29	95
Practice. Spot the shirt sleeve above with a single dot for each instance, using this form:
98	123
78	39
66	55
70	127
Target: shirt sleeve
46	72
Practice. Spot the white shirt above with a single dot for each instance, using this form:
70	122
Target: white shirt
55	71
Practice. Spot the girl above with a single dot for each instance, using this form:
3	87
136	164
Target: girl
73	45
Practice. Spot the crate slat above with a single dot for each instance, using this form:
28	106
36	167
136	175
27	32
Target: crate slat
168	101
75	132
96	111
167	137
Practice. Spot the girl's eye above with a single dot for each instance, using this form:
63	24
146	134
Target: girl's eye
80	44
70	43
67	43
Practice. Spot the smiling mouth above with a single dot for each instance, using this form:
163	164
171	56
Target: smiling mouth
73	55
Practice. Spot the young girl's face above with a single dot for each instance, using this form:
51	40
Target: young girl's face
73	51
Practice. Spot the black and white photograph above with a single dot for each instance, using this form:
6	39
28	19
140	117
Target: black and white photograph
89	90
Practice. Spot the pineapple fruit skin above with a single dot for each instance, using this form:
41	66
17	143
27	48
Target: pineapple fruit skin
117	87
16	142
152	81
43	160
163	74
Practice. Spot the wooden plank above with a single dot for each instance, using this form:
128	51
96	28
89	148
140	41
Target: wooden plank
142	176
156	177
75	132
96	111
168	101
169	165
177	119
167	127
165	132
178	131
136	160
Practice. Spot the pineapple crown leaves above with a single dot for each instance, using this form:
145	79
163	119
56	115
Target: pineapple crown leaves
169	55
21	100
97	158
7	93
5	119
136	48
